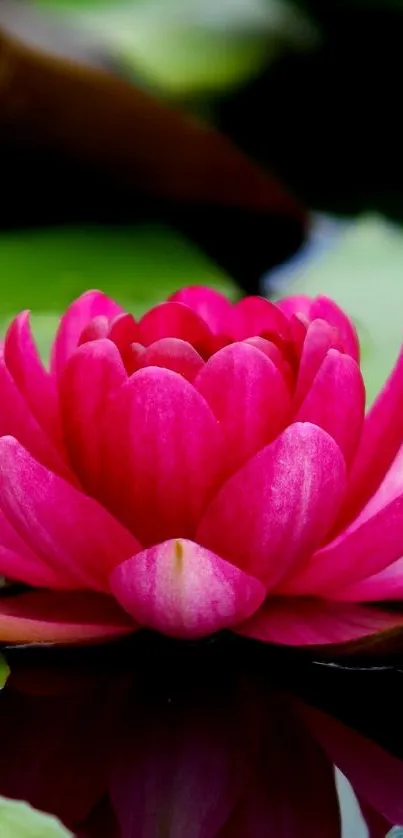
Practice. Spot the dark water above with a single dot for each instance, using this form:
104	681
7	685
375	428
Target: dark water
163	740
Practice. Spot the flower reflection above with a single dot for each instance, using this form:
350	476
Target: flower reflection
188	746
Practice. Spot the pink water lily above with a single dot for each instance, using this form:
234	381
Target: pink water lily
207	467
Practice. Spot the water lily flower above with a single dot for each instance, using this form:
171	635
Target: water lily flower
208	467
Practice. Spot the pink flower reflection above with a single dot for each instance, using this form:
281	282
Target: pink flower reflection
205	754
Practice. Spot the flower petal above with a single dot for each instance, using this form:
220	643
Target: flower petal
320	337
248	396
77	316
175	320
295	305
20	563
345	627
74	617
68	530
381	438
162	455
336	401
183	590
386	585
275	509
328	310
91	375
17	419
33	381
173	354
214	308
371	543
257	316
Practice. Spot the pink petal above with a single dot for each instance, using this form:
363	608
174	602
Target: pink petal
91	375
275	354
77	316
183	590
71	532
295	621
162	455
272	512
74	617
375	775
17	419
328	310
388	584
33	381
381	438
257	316
336	401
173	354
124	332
248	396
320	337
298	304
96	329
371	543
175	320
20	563
214	308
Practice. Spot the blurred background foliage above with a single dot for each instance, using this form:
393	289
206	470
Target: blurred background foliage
308	91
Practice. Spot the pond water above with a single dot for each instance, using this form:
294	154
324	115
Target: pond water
157	739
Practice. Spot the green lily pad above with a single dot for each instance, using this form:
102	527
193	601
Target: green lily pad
364	274
19	820
4	673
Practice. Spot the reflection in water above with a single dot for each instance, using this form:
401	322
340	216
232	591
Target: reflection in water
163	740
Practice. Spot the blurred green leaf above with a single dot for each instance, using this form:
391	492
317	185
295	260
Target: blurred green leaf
44	270
4	673
364	274
191	46
19	820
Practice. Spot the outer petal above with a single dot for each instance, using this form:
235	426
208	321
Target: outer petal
70	531
16	418
175	320
183	590
272	512
214	308
91	375
78	315
162	455
257	316
336	401
381	439
173	354
74	617
328	310
388	584
33	381
309	622
248	395
20	563
371	543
